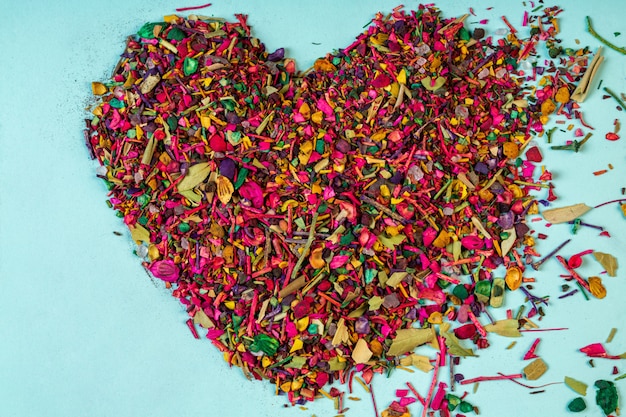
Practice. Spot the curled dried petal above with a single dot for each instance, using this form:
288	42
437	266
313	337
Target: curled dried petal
596	287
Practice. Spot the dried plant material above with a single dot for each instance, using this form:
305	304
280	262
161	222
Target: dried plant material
195	175
608	262
497	293
203	320
580	93
341	334
506	328
609	339
421	362
513	278
361	352
315	259
396	278
606	396
225	189
508	243
535	369
433	85
139	233
98	88
576	386
565	214
408	339
454	345
149	151
149	83
596	288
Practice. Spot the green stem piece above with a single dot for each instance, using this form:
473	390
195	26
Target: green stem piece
593	33
616	97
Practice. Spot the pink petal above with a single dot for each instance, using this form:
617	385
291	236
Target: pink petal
339	261
165	270
472	242
594	350
253	192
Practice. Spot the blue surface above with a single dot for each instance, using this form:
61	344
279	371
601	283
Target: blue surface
85	332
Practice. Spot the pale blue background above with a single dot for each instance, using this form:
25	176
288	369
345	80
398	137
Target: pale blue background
85	332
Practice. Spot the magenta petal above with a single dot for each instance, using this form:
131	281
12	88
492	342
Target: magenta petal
472	242
404	401
594	350
165	270
253	192
339	261
429	236
402	392
214	334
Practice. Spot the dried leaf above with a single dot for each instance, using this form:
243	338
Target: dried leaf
191	196
139	233
608	262
408	339
396	278
203	320
428	83
361	352
391	242
454	345
195	175
565	214
421	362
576	386
225	189
506	328
297	362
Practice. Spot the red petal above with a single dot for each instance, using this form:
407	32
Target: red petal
534	154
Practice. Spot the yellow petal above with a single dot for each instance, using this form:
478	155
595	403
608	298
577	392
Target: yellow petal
98	88
225	189
297	345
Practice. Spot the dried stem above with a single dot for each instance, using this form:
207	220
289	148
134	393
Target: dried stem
593	33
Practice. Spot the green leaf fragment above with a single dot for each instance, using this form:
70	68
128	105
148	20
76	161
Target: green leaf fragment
195	175
175	34
577	405
190	66
147	30
576	386
454	345
391	242
606	396
264	343
408	339
428	83
297	362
